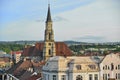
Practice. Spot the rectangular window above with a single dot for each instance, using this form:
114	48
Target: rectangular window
104	76
54	77
96	77
119	76
44	76
63	77
90	76
118	67
92	66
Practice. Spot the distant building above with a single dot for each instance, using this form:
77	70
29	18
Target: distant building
2	52
70	68
5	64
16	55
110	67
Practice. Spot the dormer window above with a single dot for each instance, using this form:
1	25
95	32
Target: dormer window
92	66
78	67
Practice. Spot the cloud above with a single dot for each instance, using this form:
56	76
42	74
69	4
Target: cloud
98	19
23	30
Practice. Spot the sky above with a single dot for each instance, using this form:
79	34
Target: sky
78	20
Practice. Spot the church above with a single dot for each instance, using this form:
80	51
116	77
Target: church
48	48
34	57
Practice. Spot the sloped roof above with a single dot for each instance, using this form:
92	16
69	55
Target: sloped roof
34	77
20	70
37	50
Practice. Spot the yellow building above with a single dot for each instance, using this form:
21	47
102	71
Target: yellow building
49	44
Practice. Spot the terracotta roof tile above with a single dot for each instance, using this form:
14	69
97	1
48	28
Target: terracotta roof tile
61	50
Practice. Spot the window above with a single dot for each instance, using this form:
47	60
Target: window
96	77
112	66
90	76
108	75
68	65
49	44
44	76
78	67
92	66
49	36
116	75
54	77
108	68
119	76
79	77
49	52
104	76
48	77
118	67
103	68
63	77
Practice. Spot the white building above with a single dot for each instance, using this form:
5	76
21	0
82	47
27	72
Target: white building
70	68
110	67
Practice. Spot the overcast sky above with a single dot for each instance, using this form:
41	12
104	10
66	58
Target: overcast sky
78	20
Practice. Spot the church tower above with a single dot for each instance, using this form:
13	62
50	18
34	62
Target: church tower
49	44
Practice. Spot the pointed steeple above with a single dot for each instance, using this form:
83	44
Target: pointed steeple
48	15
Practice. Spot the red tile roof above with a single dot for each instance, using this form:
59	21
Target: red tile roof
16	52
37	50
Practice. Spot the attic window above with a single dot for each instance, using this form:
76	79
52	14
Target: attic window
92	66
78	67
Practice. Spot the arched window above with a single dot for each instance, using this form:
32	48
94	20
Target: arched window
79	77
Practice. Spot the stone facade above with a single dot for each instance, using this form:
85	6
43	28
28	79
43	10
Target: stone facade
49	44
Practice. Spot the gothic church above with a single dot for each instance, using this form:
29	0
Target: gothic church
49	47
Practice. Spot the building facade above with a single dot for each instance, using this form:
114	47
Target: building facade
16	55
110	67
70	68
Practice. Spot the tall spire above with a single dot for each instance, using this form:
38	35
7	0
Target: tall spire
48	15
